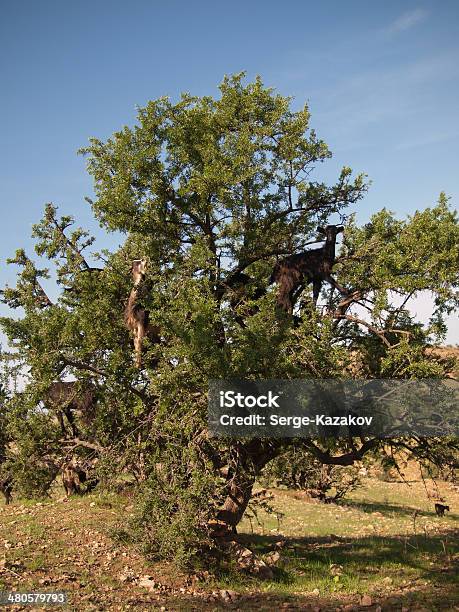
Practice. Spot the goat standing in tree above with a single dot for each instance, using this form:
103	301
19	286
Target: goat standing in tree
312	266
136	317
70	398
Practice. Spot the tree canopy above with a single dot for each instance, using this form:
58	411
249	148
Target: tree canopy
211	193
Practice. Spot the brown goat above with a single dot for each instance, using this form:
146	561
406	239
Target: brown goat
73	476
314	266
6	487
136	317
76	476
68	398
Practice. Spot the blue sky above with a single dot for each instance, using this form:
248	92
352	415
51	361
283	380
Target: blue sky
381	80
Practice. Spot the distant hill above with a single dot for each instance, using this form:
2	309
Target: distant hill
448	355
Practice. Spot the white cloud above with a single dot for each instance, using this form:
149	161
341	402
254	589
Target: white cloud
427	140
407	20
393	95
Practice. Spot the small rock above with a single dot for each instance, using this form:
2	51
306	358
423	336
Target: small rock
147	582
225	595
316	592
126	576
366	601
336	570
92	504
272	558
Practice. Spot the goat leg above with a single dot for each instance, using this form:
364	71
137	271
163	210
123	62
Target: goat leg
316	287
287	287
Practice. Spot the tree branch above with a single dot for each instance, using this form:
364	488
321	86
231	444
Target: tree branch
370	327
347	458
69	243
75	442
86	366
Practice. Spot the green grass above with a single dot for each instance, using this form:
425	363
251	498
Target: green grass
385	541
372	540
366	562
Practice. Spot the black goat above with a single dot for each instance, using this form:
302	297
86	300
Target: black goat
440	509
314	266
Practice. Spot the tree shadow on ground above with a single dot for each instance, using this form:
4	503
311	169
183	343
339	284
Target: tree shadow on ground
419	600
430	563
386	509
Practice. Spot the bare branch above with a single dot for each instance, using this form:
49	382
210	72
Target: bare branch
347	458
86	366
75	442
374	330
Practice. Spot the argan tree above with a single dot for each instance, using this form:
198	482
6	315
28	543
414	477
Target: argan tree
211	193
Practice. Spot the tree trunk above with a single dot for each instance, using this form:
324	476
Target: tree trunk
236	502
251	457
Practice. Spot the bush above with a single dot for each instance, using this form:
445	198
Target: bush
173	509
296	469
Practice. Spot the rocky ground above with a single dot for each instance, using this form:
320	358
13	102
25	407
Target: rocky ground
383	549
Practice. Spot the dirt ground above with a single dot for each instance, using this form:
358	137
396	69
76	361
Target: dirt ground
371	552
